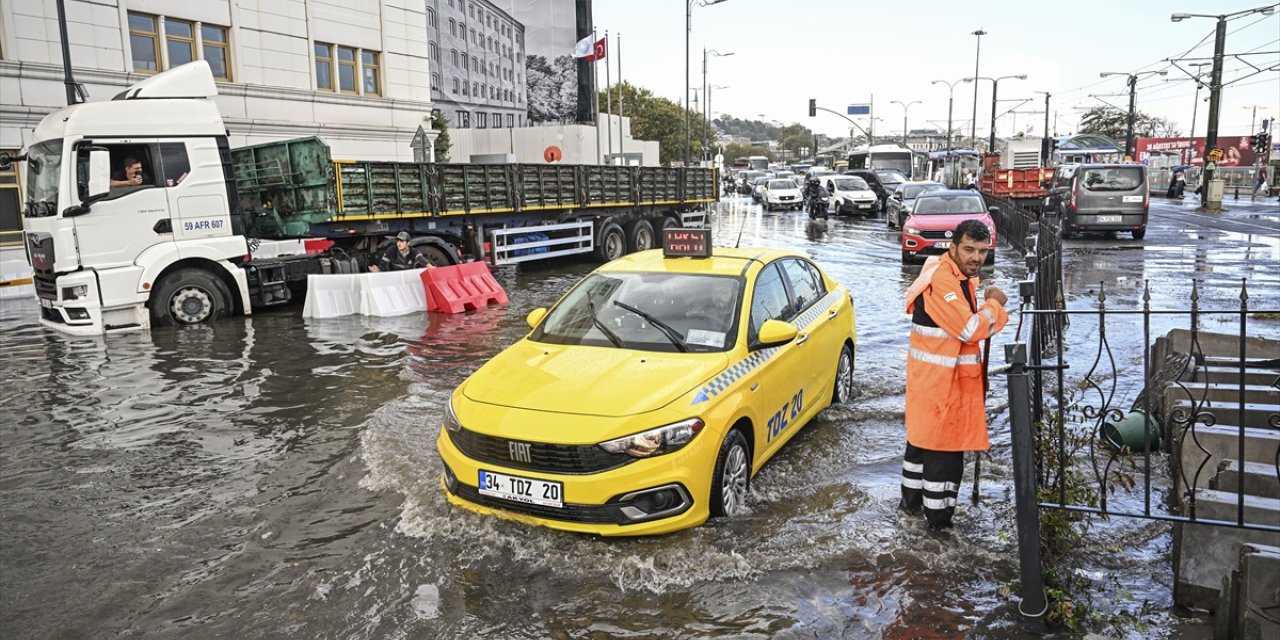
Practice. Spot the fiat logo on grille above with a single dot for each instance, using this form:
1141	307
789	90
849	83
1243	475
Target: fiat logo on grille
519	451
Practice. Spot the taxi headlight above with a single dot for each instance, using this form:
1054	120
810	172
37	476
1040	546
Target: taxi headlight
911	230
656	442
450	418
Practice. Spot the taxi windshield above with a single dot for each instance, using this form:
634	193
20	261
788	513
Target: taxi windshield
640	310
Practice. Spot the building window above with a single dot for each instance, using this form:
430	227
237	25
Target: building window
455	85
475	64
466	90
475	89
213	42
453	57
481	119
511	120
369	68
339	68
464	118
180	40
453	27
10	205
464	60
144	38
324	67
183	42
433	51
473	35
484	90
431	17
435	81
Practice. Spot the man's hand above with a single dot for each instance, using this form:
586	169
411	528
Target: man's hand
994	293
373	268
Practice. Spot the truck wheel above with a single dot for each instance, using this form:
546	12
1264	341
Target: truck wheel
189	296
611	244
639	236
668	222
732	477
435	255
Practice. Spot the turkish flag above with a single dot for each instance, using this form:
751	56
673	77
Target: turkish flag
597	51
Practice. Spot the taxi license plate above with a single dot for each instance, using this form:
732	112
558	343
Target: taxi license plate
517	489
943	244
1102	219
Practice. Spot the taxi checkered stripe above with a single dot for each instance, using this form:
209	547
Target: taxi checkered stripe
737	370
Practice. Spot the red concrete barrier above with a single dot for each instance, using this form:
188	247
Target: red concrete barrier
461	287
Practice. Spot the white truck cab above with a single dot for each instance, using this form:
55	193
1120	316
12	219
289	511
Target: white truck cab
129	209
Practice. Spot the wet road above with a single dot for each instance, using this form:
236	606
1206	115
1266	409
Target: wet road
274	477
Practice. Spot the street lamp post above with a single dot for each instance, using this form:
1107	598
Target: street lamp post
973	126
1046	147
688	27
706	99
905	107
1133	105
1195	106
951	88
1213	201
995	84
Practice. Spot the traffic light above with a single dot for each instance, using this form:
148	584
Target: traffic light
813	107
1260	141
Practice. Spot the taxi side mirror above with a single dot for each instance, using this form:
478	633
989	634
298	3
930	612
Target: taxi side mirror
535	317
775	333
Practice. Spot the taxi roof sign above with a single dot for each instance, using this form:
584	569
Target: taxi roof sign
686	243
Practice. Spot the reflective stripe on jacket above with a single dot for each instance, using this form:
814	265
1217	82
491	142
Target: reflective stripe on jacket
946	406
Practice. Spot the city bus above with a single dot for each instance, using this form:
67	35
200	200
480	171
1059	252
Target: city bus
882	156
758	163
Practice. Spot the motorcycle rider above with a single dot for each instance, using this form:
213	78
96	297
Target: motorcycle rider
814	189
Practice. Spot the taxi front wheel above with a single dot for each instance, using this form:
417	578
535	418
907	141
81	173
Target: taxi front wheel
732	477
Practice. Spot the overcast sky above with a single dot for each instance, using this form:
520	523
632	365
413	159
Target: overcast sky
841	52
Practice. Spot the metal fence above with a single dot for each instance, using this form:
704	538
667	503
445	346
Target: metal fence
1061	404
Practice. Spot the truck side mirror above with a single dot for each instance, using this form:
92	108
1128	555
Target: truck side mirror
99	174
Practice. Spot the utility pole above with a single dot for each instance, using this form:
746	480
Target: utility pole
973	125
1046	147
1133	97
69	80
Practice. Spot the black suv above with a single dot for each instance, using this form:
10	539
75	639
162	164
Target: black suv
873	181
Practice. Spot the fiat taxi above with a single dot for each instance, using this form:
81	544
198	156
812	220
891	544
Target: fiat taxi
648	397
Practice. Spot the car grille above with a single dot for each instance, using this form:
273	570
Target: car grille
606	514
934	235
545	457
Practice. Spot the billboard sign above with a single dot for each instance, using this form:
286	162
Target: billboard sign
1236	151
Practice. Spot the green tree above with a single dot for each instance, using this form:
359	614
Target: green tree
1114	123
793	137
441	124
656	118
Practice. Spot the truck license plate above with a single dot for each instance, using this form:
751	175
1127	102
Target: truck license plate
517	489
1102	219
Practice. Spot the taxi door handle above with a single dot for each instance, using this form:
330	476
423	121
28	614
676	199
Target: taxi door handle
831	315
802	339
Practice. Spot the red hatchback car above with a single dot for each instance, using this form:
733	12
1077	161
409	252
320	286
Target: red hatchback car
927	231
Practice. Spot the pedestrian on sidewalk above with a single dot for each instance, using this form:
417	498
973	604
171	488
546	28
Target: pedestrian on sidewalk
946	390
1262	182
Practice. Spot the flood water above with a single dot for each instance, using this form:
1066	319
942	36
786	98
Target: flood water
275	477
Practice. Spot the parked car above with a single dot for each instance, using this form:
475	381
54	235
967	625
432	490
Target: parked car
873	181
850	194
723	360
1101	197
933	219
781	194
903	198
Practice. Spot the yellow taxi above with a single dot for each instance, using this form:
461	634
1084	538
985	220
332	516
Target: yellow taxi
645	400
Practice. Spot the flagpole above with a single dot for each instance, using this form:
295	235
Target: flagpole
618	52
608	92
595	94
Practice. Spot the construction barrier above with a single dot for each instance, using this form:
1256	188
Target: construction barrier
386	293
461	287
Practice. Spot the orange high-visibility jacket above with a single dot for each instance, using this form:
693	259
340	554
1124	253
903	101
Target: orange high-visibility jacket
946	405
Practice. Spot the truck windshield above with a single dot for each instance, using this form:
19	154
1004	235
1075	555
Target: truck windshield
44	169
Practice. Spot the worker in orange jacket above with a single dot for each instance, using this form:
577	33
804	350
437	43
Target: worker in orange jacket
946	399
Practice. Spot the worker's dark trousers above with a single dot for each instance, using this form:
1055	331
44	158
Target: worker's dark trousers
931	479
